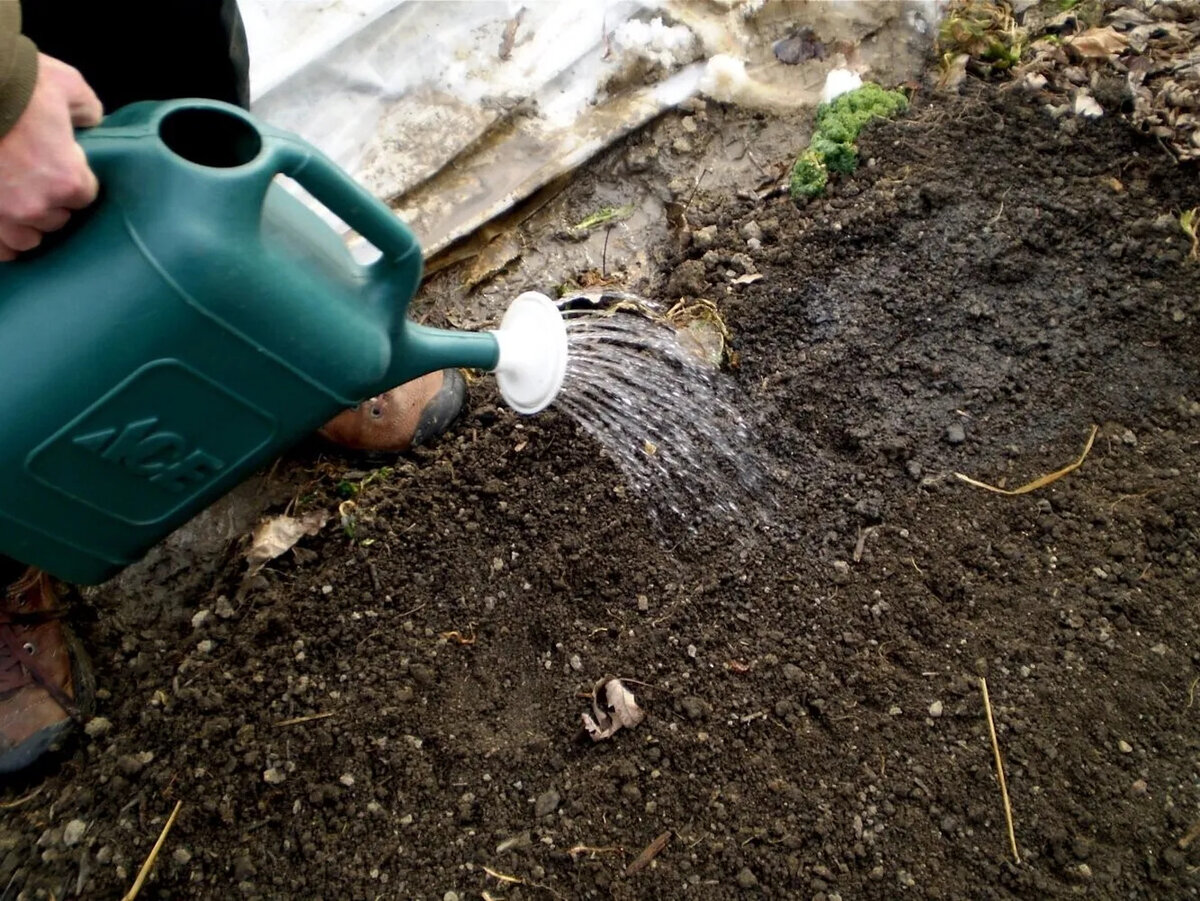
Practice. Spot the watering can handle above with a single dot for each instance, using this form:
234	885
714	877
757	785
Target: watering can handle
392	280
358	208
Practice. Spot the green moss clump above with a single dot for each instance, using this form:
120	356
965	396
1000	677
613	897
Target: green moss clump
838	157
809	176
837	127
844	118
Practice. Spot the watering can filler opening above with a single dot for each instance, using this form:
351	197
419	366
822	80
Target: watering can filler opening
197	320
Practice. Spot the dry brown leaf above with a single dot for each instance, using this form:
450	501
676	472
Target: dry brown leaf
278	535
1099	43
1040	482
614	707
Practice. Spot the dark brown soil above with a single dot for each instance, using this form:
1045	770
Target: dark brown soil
986	288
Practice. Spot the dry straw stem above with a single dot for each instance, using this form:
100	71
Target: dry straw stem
643	860
297	720
1040	482
1191	835
589	850
153	856
9	805
1008	817
517	880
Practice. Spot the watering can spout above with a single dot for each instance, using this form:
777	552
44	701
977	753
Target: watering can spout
527	353
532	361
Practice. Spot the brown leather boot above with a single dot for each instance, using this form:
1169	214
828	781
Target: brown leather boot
45	683
407	416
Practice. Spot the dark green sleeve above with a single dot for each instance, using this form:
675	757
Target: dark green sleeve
18	66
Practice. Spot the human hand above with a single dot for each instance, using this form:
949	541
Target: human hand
44	174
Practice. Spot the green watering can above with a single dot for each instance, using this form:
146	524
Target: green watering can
197	320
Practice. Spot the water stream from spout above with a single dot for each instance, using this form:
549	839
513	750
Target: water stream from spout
670	421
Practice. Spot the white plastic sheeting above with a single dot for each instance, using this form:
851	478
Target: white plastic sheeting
453	110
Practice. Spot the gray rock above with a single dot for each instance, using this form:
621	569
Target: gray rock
695	708
132	764
516	842
73	833
955	433
547	802
791	672
750	230
935	709
98	726
746	878
243	869
743	263
704	238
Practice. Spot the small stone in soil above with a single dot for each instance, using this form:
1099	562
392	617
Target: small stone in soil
955	433
935	709
524	840
695	708
243	869
181	856
273	776
746	878
98	726
73	832
1124	747
546	803
132	764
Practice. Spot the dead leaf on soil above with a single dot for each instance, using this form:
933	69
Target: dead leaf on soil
278	535
1099	43
1037	483
615	708
1085	105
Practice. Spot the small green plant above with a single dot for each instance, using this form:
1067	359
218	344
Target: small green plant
837	128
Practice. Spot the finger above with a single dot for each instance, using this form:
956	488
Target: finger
52	220
82	188
85	106
19	237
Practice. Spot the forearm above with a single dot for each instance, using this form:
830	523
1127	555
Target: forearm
18	66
